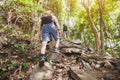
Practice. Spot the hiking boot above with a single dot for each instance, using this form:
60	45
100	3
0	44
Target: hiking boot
41	60
56	50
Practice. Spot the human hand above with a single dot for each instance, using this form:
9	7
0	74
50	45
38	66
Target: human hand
59	32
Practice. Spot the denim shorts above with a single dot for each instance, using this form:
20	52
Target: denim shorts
48	30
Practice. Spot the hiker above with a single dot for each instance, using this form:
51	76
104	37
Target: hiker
49	26
65	31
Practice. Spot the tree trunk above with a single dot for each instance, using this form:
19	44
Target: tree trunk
95	32
100	3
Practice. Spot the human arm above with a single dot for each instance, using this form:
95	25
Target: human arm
55	20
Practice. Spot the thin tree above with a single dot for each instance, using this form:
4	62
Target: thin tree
100	3
86	5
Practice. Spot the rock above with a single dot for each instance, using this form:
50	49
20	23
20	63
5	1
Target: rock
107	55
90	50
87	67
71	50
60	77
41	73
80	74
55	57
77	41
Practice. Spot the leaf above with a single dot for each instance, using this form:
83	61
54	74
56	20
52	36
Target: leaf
3	69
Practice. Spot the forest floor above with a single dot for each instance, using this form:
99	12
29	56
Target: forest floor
18	57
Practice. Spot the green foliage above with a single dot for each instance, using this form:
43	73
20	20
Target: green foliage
6	29
27	13
25	65
23	48
20	48
118	19
1	20
74	7
111	17
24	13
28	6
61	9
25	10
3	69
55	6
3	75
25	2
110	5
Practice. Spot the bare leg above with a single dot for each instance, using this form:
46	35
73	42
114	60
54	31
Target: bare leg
57	46
43	48
57	43
42	57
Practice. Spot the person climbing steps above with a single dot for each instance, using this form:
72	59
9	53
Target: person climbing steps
49	26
